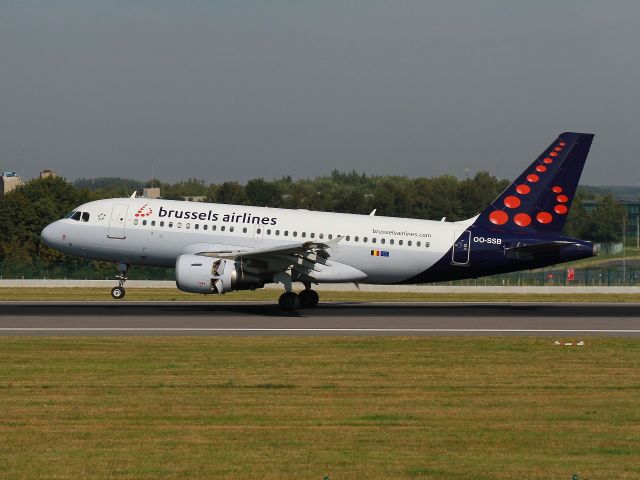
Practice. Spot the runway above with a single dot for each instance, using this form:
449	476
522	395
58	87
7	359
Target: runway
257	318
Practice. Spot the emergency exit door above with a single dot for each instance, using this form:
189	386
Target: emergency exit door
461	247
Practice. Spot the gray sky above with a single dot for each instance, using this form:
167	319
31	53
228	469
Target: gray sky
232	90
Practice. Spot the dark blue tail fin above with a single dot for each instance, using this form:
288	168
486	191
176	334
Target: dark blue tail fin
540	198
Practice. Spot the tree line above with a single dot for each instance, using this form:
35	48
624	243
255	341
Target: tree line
25	211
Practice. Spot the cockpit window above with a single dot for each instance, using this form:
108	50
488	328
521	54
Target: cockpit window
70	214
85	216
76	216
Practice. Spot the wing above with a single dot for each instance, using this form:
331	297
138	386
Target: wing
301	258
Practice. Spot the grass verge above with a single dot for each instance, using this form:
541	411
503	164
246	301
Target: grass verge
293	408
172	294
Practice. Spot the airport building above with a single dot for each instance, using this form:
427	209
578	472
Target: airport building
10	181
631	206
151	192
48	174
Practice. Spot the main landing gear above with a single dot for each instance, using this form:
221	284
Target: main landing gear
290	301
119	291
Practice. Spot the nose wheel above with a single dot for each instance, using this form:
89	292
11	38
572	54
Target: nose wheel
119	291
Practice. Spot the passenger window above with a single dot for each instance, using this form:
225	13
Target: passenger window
205	226
321	236
179	225
135	222
213	228
222	228
304	234
330	236
286	233
196	226
418	244
391	242
269	231
76	216
85	216
188	225
409	243
162	224
144	222
295	234
427	244
373	240
364	239
356	239
382	240
153	223
244	230
313	235
170	224
348	238
277	232
231	229
258	231
400	242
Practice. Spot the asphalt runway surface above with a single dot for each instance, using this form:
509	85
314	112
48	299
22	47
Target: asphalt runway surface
259	318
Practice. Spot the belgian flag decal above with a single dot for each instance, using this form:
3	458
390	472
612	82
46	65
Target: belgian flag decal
379	253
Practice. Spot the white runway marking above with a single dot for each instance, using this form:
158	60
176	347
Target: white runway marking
328	330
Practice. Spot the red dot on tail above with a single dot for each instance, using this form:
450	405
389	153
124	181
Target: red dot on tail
541	168
512	201
553	154
544	217
547	160
523	189
556	189
533	178
522	219
558	149
562	198
498	217
561	209
562	144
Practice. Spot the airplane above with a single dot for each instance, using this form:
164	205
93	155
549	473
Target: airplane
218	248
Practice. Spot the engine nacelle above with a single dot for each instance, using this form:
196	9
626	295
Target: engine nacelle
199	274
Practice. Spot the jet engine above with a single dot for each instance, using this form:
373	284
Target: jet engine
199	274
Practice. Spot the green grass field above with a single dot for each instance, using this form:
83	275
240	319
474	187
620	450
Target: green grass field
271	295
306	408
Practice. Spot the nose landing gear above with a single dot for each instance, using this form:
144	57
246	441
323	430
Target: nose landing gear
119	291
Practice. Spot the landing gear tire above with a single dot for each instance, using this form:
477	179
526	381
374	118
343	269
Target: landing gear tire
289	301
308	298
117	292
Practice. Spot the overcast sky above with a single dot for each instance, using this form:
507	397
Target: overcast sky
232	90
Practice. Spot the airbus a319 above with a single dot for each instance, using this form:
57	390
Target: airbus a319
217	248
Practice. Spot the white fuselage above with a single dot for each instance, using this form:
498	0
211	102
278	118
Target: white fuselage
138	231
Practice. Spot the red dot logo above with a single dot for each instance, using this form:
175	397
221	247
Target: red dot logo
560	209
522	219
533	178
558	149
523	189
556	189
544	217
553	154
562	144
512	201
548	160
498	217
541	168
562	198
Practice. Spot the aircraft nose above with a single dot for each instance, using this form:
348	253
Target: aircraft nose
49	235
